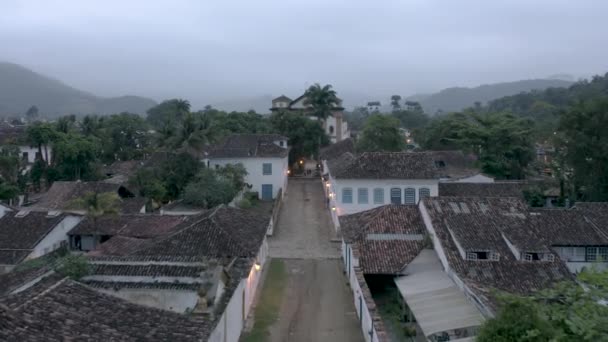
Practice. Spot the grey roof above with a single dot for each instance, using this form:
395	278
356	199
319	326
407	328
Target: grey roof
64	310
249	146
497	189
282	98
386	238
489	214
337	149
596	212
563	227
20	235
387	165
454	164
62	193
218	233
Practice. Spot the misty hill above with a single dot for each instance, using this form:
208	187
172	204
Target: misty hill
458	98
21	88
260	104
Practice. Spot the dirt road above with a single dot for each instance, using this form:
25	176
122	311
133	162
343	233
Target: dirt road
317	304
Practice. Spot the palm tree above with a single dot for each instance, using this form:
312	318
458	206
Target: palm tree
41	134
196	132
183	107
321	100
97	204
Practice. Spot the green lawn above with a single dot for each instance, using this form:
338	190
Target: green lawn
267	310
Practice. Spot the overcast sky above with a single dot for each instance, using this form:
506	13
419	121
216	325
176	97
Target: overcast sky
208	51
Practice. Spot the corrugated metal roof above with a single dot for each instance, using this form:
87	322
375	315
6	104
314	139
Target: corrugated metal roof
436	302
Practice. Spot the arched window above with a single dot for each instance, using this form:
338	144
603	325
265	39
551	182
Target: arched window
331	129
395	196
410	196
423	192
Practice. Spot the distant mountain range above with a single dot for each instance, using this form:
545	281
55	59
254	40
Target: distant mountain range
459	98
21	88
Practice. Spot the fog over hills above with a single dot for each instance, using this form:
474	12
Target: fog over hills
21	88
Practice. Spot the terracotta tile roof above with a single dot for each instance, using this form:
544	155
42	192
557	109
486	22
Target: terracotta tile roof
19	235
337	149
454	164
67	310
222	232
386	219
27	272
506	274
387	257
563	227
133	225
387	238
388	165
151	270
596	212
124	168
497	189
121	246
62	193
249	146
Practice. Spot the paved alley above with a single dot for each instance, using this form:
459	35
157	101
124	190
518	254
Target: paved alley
317	304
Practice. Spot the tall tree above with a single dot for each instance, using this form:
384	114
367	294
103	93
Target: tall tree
396	103
74	155
502	142
305	136
321	100
32	114
565	312
381	133
584	144
65	124
168	113
97	204
41	134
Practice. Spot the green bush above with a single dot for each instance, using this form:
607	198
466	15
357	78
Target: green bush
244	204
73	266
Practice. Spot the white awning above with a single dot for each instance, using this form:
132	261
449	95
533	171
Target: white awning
434	299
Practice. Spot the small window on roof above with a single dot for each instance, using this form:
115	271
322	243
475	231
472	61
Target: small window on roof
471	256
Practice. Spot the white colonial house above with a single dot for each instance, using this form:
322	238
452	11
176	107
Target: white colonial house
265	156
357	183
26	235
335	126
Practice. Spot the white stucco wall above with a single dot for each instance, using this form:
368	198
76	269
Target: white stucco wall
255	175
31	153
337	185
53	240
173	300
478	178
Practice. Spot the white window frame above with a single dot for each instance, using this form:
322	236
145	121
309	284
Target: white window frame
362	194
350	191
471	256
379	196
409	192
423	193
395	191
266	172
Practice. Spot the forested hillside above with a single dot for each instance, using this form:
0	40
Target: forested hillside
21	88
458	98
